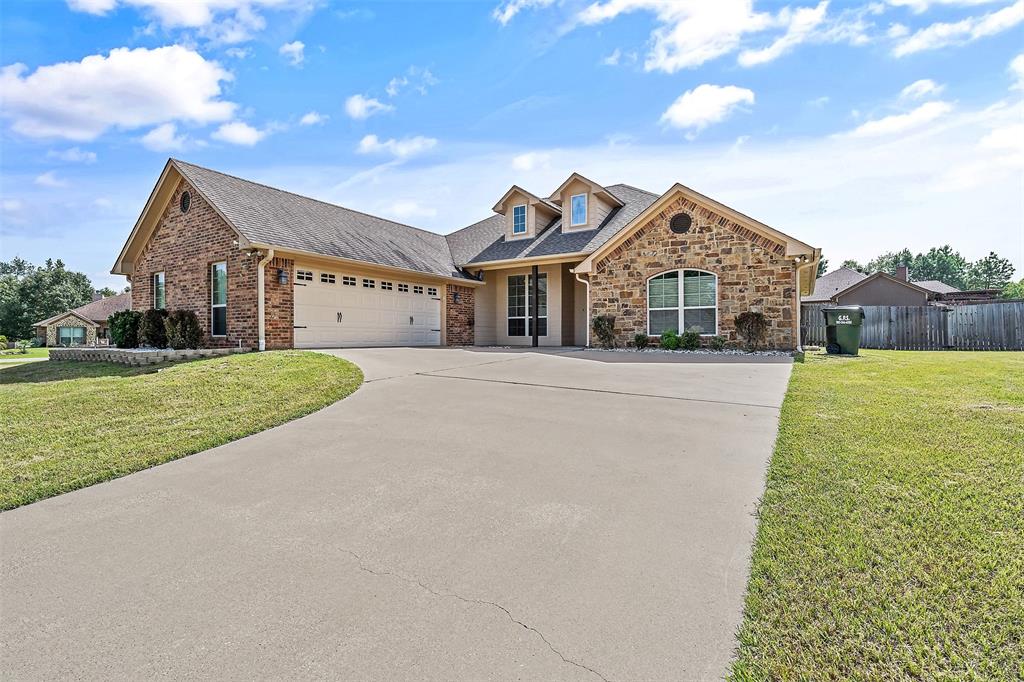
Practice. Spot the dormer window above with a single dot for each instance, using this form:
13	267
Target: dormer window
519	219
578	210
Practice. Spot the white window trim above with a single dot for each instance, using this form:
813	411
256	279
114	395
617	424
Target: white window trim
682	308
152	283
526	220
586	210
529	314
219	305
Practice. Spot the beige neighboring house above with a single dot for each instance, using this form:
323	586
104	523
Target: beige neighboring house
846	286
264	268
82	326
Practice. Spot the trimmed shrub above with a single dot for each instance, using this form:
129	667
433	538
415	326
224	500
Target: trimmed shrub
669	340
689	340
641	341
716	343
124	328
604	330
151	329
752	328
3	341
183	331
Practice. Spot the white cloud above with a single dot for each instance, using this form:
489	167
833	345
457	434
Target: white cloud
240	133
923	88
406	210
819	102
127	89
12	205
312	118
802	23
416	77
1010	138
531	161
361	107
919	6
238	52
72	155
613	58
705	105
967	30
897	31
223	21
164	138
402	149
1017	69
505	12
294	52
901	123
49	179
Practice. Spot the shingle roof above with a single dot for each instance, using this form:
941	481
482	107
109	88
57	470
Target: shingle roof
275	217
936	286
97	311
100	310
831	283
485	241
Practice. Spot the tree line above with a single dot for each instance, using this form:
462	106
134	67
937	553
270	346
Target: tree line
30	293
946	265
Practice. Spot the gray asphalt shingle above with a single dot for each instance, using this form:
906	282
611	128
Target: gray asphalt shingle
279	218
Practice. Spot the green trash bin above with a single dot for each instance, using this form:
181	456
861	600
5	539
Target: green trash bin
842	329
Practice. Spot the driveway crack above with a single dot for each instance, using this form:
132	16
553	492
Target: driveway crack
384	573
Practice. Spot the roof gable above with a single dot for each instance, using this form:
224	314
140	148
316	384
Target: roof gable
60	316
266	217
832	283
556	196
884	276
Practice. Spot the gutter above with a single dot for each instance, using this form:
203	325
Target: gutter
585	282
260	302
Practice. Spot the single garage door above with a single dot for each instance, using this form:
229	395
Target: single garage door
333	309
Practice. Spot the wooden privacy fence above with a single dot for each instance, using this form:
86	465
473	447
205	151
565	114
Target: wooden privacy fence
989	326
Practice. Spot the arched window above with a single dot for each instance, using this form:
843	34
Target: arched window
682	300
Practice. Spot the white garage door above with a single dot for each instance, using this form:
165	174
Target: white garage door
333	309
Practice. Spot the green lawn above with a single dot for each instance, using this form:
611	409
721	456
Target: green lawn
891	534
14	354
67	425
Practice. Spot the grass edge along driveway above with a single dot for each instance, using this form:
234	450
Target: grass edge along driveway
68	425
891	536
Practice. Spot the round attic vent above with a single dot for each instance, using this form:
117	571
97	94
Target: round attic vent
186	201
680	223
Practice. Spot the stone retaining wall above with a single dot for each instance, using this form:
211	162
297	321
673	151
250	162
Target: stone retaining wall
137	358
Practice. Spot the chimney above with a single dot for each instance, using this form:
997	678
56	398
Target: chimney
901	273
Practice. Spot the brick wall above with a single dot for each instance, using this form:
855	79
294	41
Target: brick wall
459	316
183	247
752	273
279	304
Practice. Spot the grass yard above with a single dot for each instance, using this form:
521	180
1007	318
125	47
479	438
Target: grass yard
15	354
891	534
67	425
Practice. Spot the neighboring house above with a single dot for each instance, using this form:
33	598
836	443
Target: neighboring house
83	326
846	286
266	268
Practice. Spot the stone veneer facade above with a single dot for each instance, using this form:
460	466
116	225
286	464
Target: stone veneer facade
460	315
70	321
753	273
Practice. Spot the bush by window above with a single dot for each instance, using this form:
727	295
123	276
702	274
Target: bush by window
690	339
124	328
669	340
641	341
604	330
183	330
151	329
752	328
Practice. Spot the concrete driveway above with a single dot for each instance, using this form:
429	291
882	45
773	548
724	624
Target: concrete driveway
467	514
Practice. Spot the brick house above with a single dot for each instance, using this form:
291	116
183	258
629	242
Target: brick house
265	268
82	326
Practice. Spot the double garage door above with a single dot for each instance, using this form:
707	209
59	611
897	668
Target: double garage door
333	309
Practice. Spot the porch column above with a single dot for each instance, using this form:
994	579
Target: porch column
534	297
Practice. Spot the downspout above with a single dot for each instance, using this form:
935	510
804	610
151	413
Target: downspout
260	303
586	283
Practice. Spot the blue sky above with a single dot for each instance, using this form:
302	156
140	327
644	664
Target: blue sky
860	127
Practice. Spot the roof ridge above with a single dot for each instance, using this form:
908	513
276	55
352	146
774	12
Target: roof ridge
635	188
303	196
